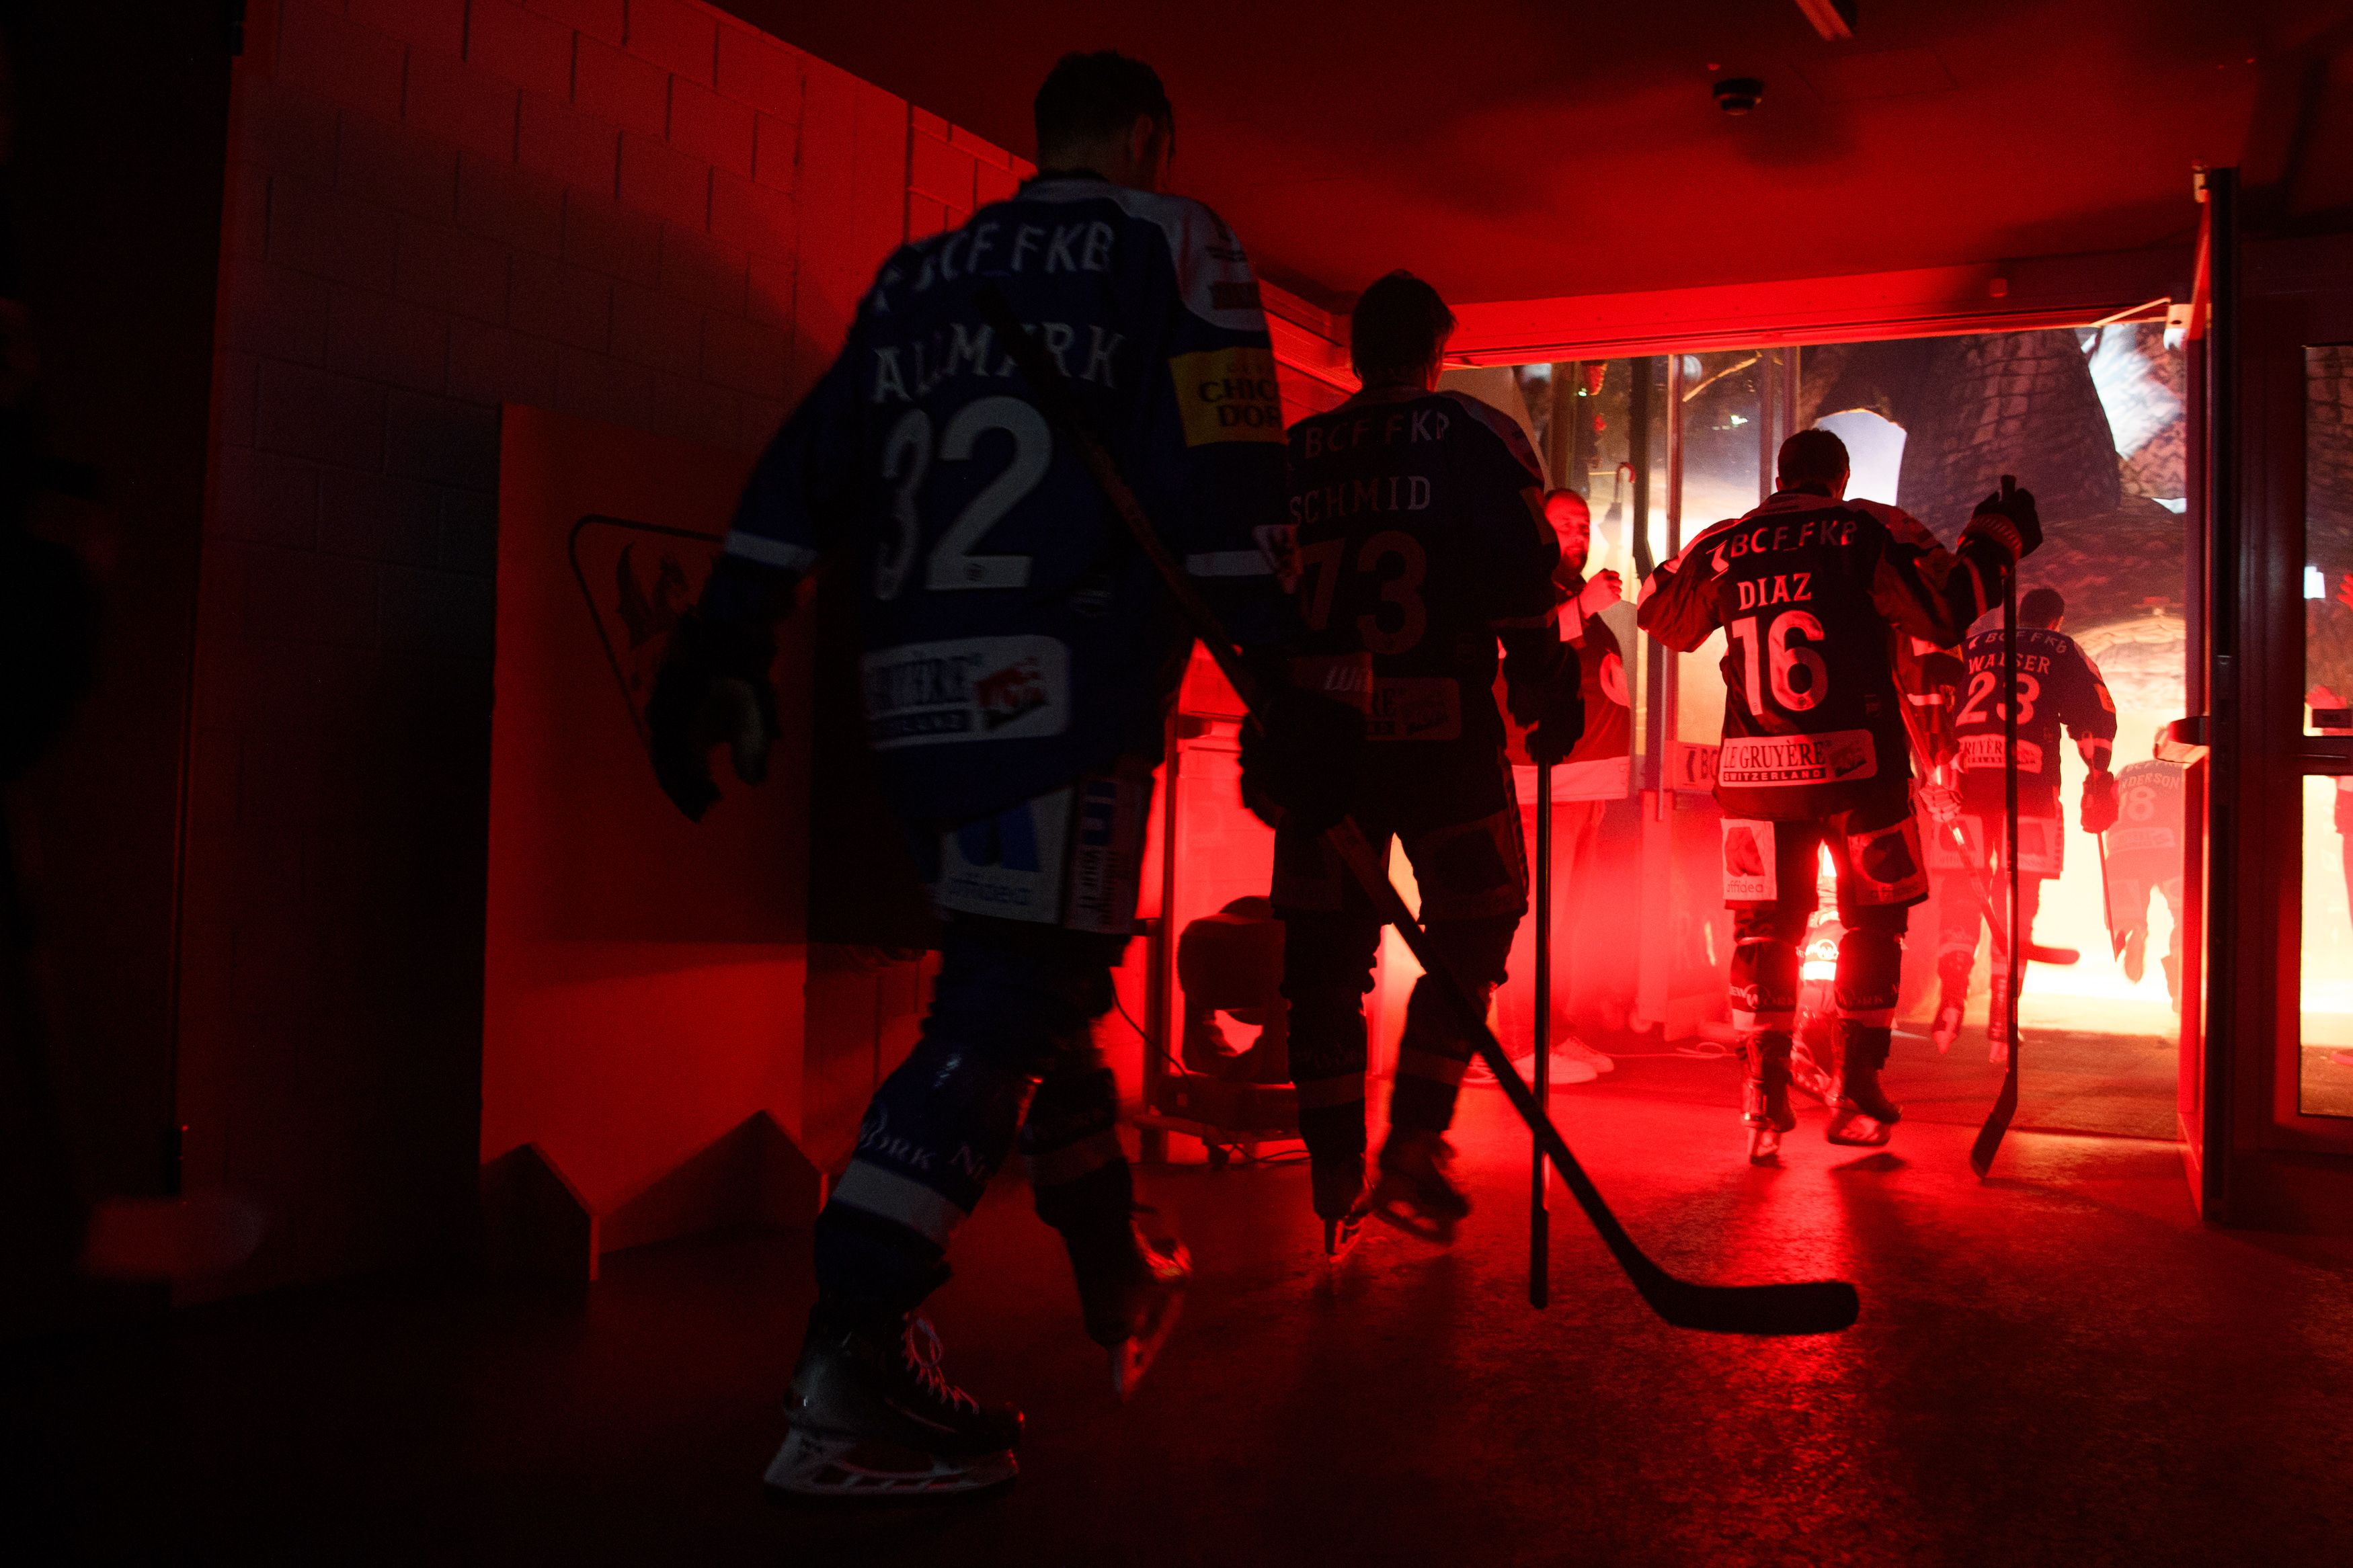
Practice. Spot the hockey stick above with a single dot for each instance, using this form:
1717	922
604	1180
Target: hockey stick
1539	1216
2005	1105
1810	1307
2108	899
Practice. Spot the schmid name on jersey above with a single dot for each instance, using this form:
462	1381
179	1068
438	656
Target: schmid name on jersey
980	689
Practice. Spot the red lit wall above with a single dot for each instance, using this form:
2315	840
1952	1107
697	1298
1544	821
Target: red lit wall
650	216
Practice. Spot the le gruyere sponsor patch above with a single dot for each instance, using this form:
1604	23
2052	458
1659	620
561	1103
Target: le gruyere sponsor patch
1985	752
979	688
1228	395
1761	762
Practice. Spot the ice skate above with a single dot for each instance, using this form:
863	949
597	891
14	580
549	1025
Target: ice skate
1765	1097
1341	1235
1946	1026
1131	1299
1342	1201
1808	1076
1862	1115
1413	1192
2136	956
872	1415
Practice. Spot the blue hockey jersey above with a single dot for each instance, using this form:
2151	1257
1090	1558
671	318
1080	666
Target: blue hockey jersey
1014	637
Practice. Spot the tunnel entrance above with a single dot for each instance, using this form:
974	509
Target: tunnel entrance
1662	447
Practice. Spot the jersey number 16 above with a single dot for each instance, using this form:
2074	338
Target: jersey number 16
1784	657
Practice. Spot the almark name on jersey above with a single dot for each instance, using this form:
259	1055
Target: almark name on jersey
904	372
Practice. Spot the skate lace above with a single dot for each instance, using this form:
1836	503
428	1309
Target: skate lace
924	1350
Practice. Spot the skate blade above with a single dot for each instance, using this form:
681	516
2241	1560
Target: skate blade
829	1465
1341	1235
1134	1356
1854	1130
1403	1214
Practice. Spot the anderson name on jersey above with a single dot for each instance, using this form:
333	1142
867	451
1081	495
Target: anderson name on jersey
1813	594
1014	637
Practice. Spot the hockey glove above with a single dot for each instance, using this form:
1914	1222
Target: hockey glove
712	687
1558	718
1301	757
1942	801
2099	802
2008	518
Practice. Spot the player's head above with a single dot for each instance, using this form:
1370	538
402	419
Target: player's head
1398	332
1107	113
2042	607
1814	459
1572	524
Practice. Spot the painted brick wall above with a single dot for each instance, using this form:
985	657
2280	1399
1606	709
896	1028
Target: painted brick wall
638	210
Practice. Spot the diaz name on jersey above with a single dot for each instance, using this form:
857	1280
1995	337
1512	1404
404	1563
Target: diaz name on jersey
1812	594
1014	638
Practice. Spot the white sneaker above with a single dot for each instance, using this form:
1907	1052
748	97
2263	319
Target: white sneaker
1565	1069
1568	1048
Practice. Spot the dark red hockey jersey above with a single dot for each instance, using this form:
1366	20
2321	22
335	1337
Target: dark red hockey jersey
2057	684
1420	535
1813	595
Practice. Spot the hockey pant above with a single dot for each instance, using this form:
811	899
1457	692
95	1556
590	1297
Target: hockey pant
1010	1022
1770	871
1451	809
1961	918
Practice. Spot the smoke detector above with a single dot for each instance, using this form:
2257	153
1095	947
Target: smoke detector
1739	94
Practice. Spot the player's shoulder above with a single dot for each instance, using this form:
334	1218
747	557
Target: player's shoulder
1212	269
1479	423
1901	525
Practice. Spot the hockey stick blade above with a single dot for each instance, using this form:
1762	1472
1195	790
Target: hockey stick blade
1814	1306
2058	957
2005	1106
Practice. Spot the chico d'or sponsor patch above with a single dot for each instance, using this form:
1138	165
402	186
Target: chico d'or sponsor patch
978	689
1228	395
1749	877
1763	761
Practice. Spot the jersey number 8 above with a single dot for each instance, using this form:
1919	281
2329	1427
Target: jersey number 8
954	562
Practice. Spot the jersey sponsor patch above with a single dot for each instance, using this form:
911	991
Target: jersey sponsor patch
1767	762
1984	752
978	689
1072	856
1414	708
1748	874
1228	395
2126	840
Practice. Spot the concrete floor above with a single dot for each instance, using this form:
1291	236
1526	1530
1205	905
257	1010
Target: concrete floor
2059	1365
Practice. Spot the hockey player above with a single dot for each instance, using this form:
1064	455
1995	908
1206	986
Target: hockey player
1419	540
1814	592
2056	684
2145	850
1018	656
